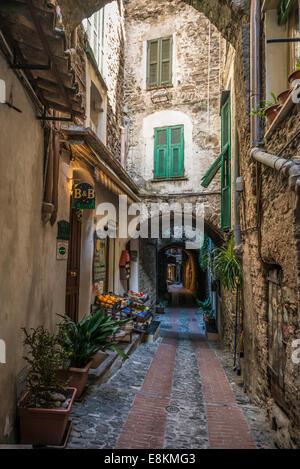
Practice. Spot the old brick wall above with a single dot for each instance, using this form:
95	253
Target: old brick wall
267	242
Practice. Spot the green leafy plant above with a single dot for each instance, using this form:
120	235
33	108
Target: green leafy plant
161	304
298	66
204	257
83	339
206	307
45	356
261	110
227	267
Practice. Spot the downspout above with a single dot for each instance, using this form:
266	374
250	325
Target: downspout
255	73
237	226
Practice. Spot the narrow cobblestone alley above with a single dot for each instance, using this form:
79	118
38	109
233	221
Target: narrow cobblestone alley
175	393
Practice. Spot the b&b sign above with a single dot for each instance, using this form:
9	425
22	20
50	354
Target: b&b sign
83	196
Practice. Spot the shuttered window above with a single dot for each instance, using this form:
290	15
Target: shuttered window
159	62
169	152
226	166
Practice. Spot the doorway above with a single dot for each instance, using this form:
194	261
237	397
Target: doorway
73	267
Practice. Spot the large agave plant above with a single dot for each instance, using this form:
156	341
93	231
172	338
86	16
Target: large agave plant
83	339
227	267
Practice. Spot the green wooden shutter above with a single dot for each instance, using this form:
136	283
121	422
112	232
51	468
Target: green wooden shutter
165	68
160	153
153	63
176	151
226	167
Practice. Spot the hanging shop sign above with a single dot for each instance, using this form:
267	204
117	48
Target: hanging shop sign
83	196
62	250
63	230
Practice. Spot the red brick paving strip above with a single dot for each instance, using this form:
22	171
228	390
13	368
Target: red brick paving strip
227	427
146	422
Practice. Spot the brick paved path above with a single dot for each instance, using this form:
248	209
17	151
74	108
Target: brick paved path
170	394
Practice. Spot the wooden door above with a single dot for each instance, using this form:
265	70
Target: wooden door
73	268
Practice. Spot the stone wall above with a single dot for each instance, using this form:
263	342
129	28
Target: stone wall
191	100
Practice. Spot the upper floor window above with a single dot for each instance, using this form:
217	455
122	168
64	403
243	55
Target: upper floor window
169	152
159	62
94	27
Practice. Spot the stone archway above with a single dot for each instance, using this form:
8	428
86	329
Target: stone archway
227	15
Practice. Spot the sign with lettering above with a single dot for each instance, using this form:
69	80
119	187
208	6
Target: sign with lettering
62	250
83	196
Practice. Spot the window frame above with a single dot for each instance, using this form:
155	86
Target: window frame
226	165
159	82
168	173
94	27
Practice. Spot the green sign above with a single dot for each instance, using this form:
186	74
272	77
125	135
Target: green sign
83	196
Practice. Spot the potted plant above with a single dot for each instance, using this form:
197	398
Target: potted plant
82	340
269	110
294	78
44	409
229	271
160	308
209	315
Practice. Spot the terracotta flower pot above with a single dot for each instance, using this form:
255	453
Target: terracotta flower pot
76	377
41	427
271	113
160	310
294	78
282	97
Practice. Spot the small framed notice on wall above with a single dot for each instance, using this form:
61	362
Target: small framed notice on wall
62	248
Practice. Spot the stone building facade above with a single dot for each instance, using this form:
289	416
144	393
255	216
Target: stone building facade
189	99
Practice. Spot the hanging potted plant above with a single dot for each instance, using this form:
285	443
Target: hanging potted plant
44	409
81	341
269	111
294	78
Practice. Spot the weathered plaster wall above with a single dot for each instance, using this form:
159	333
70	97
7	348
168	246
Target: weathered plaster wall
33	282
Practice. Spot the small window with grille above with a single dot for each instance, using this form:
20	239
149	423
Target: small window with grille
169	152
159	62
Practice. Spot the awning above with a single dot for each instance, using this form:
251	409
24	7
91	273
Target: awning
34	41
85	145
208	177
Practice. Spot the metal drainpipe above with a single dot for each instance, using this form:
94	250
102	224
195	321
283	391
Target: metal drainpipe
255	72
237	226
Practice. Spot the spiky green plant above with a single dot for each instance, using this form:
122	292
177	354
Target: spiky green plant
261	110
83	339
227	267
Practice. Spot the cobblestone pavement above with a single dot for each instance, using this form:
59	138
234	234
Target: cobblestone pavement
160	398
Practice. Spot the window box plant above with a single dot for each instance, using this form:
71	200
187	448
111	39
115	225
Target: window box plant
294	78
44	409
269	110
82	341
282	97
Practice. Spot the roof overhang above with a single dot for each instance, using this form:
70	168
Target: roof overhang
85	145
34	42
